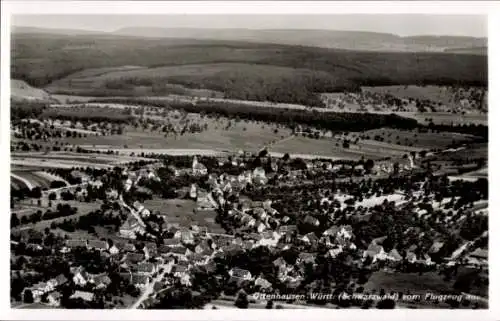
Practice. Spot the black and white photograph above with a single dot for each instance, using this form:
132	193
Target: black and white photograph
252	161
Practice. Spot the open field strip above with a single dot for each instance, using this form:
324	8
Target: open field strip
23	180
437	118
52	177
167	151
55	163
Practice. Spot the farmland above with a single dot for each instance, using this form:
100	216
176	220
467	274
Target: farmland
412	138
418	284
217	136
31	179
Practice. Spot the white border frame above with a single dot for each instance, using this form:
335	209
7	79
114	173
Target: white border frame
244	7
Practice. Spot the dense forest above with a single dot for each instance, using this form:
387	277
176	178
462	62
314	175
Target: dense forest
292	74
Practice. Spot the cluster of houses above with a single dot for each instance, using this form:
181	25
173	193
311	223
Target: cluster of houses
176	261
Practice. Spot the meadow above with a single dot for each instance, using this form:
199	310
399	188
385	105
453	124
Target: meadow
184	213
411	140
240	135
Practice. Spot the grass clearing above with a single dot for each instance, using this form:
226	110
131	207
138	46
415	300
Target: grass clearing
184	213
241	135
333	148
413	138
403	282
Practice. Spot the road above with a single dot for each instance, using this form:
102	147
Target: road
149	288
132	211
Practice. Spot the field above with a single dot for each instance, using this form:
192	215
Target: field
265	71
184	213
417	284
447	118
65	160
413	138
20	90
447	96
31	179
241	135
332	148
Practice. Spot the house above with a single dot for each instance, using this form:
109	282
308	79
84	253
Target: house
222	241
54	298
98	245
480	255
310	238
76	243
248	245
259	176
179	270
198	259
203	247
61	279
179	251
375	251
248	220
262	283
232	249
198	168
102	281
394	256
171	242
140	280
283	229
288	237
184	235
193	191
125	247
311	220
130	228
134	257
411	257
86	296
146	268
240	274
269	238
138	206
114	250
150	250
436	247
40	289
305	258
260	213
345	232
80	278
261	227
65	250
279	262
57	281
332	231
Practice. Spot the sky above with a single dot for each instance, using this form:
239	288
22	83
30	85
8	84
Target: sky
399	24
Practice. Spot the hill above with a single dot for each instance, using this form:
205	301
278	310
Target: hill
469	50
238	69
348	40
20	90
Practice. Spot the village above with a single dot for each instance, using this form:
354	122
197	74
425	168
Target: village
288	226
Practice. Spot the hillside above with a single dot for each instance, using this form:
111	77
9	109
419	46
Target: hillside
348	40
20	90
469	50
238	69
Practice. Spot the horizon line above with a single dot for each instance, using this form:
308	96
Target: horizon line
252	29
